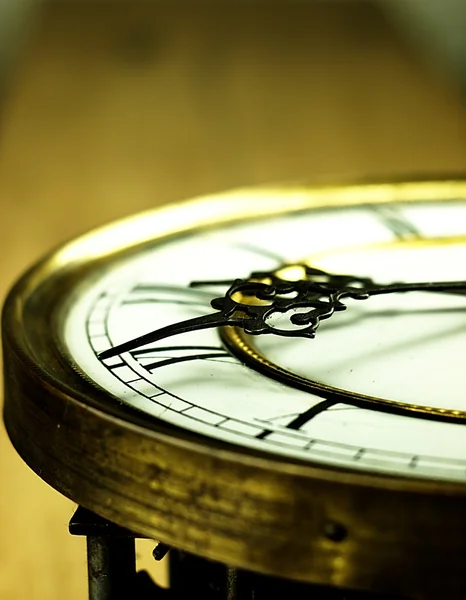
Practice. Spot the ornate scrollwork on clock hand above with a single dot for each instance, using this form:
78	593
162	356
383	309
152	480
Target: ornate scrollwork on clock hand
306	294
290	301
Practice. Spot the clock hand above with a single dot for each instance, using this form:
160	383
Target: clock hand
314	286
204	322
335	282
253	303
249	305
449	287
246	317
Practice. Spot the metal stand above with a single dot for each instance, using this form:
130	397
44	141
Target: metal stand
111	560
111	567
112	572
194	577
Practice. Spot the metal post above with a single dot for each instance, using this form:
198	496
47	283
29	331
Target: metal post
111	564
111	556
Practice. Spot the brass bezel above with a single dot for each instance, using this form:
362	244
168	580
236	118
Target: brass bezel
245	508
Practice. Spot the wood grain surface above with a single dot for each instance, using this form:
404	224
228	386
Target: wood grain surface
116	108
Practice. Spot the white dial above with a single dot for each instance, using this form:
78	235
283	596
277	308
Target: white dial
402	347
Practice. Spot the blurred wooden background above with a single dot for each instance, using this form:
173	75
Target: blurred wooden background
114	108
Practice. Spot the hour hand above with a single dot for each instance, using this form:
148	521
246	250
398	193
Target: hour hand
352	285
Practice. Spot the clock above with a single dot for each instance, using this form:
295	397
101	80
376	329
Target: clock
271	377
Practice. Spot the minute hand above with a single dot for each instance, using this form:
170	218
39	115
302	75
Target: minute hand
204	322
251	303
451	287
250	317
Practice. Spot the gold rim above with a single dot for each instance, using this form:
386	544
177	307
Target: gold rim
251	510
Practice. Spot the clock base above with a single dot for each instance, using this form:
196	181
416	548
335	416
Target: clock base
112	572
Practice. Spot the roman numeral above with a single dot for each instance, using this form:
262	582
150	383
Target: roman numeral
171	355
401	227
306	416
300	419
260	251
168	294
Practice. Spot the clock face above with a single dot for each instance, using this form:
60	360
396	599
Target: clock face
381	387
